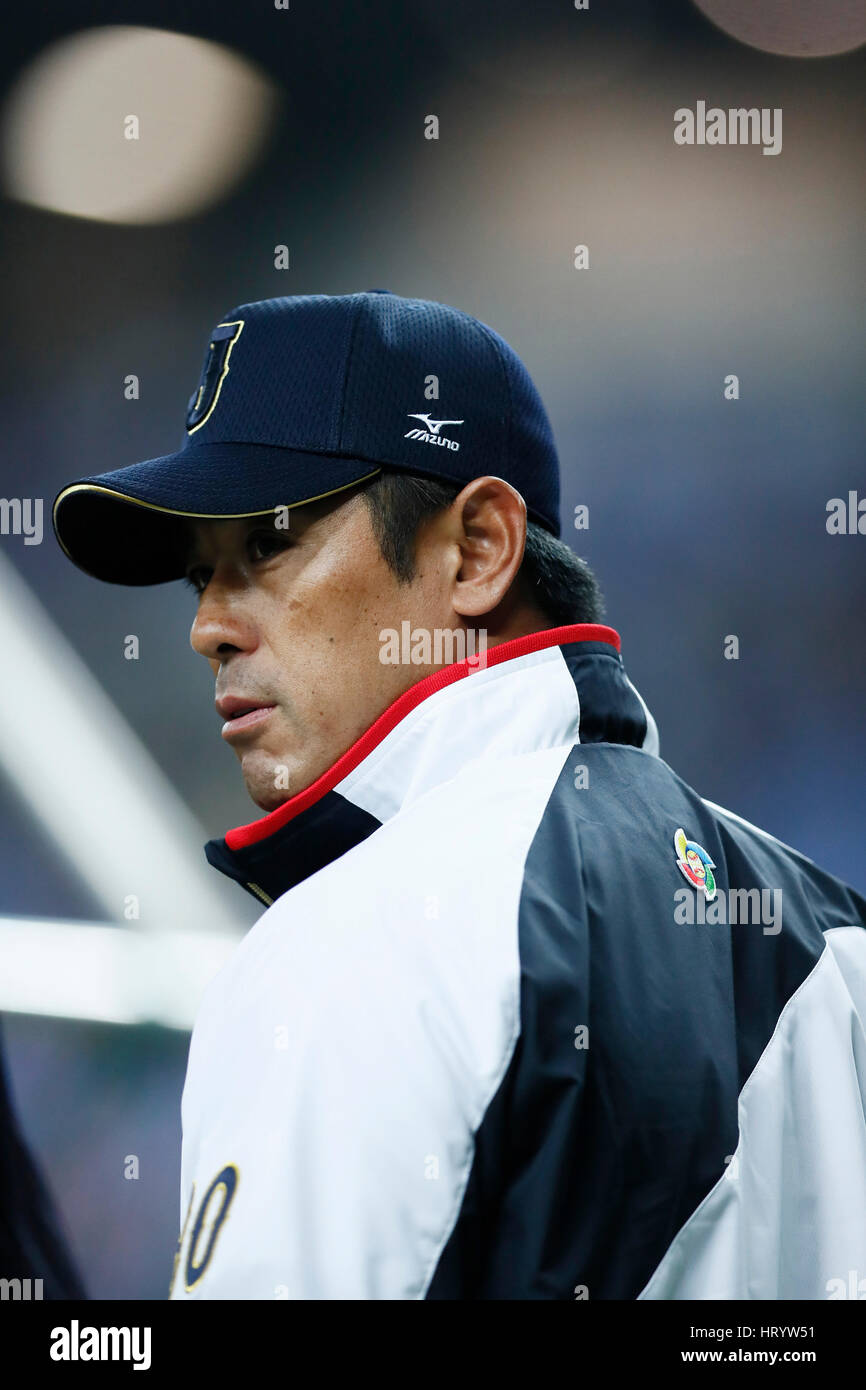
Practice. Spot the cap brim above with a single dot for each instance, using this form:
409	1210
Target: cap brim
131	526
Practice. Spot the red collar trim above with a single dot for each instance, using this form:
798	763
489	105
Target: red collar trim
245	835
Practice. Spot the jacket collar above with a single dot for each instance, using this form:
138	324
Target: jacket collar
558	687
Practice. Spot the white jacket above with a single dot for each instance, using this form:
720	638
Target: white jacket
495	1038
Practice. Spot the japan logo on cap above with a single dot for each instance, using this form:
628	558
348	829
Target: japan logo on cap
213	374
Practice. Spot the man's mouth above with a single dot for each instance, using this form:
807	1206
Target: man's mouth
241	715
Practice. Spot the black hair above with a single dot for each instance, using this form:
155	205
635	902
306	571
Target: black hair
553	578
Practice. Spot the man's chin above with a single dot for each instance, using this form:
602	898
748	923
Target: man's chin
269	782
267	798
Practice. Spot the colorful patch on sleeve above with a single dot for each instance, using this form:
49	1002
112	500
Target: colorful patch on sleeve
695	864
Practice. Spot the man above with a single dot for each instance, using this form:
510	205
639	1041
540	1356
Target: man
525	1016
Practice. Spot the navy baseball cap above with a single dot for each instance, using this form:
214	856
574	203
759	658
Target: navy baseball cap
302	397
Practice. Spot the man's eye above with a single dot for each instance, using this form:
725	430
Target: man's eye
263	544
197	578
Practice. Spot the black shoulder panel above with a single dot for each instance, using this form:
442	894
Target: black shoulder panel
638	1031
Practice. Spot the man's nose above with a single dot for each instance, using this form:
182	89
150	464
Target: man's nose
223	624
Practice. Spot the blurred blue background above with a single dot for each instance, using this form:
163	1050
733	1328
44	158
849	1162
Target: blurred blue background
706	516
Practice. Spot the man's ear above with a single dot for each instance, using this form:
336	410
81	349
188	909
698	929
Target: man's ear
488	524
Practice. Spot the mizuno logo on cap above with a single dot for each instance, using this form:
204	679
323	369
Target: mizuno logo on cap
431	435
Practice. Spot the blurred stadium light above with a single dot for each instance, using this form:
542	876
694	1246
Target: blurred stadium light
133	125
104	975
791	28
93	786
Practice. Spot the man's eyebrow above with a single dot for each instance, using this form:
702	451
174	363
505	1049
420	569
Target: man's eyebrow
191	541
